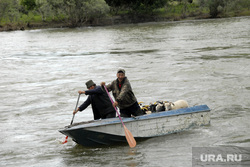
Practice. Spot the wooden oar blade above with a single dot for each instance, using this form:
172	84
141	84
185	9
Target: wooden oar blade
129	137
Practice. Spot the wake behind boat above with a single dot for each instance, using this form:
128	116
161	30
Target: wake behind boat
110	131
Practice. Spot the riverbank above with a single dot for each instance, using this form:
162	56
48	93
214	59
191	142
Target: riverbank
50	15
108	21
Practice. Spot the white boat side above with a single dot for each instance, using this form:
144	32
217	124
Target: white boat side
151	125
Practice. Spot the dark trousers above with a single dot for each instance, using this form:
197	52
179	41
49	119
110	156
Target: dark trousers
135	110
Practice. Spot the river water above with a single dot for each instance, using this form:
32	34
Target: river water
203	62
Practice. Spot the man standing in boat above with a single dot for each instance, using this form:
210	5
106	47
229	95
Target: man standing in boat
124	96
99	100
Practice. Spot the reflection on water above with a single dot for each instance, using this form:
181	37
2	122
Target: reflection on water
203	62
103	156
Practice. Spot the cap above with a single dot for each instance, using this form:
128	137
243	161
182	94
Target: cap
90	83
121	71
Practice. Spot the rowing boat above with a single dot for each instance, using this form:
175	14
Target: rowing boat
110	131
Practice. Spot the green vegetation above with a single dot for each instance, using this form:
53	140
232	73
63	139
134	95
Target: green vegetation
22	14
136	6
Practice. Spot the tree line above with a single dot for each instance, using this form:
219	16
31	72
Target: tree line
77	12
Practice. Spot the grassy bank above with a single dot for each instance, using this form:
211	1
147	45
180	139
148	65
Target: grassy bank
174	11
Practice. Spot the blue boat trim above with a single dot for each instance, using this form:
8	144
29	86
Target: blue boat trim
201	108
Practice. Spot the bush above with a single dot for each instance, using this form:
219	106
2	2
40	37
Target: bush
137	6
215	7
79	11
29	4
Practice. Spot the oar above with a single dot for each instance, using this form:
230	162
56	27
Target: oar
130	139
66	138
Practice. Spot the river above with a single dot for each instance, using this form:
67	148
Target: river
202	61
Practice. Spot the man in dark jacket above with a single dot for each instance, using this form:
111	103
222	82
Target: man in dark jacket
124	96
99	100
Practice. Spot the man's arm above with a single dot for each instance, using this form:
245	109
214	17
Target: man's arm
83	106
